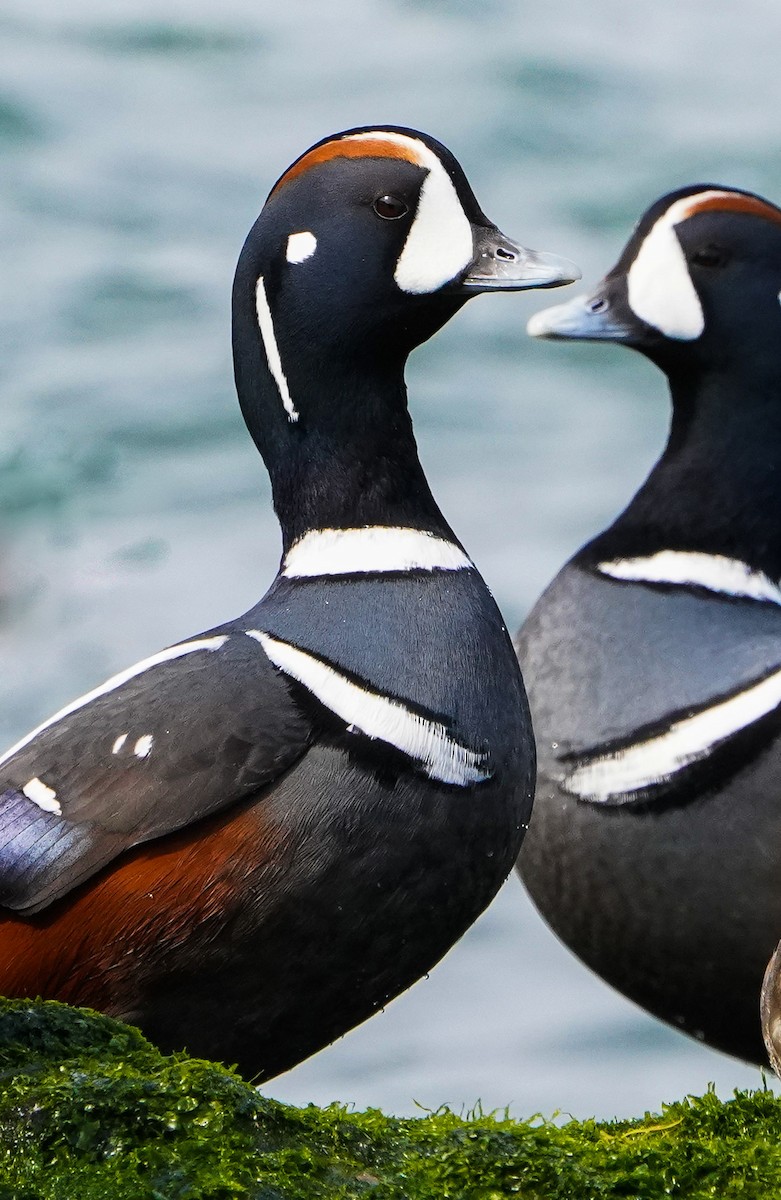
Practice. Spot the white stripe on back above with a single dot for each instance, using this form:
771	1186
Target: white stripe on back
116	681
426	742
656	760
715	572
272	349
372	549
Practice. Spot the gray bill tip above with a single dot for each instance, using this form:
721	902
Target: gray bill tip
501	264
589	318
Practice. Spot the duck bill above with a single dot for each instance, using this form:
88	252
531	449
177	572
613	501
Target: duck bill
589	318
501	265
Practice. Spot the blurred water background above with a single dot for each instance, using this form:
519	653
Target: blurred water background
138	141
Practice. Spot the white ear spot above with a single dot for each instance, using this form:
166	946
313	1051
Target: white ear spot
119	743
300	247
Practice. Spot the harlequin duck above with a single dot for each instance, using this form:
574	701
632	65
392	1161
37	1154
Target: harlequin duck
653	660
250	841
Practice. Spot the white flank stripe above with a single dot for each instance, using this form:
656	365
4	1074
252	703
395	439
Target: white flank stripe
45	797
272	349
116	681
375	716
715	572
374	548
439	245
300	246
143	747
689	740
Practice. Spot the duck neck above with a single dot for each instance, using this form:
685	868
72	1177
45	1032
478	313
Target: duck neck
717	487
348	458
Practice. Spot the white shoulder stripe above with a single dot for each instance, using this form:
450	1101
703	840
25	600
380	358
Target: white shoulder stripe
375	548
426	742
715	572
116	681
272	349
617	775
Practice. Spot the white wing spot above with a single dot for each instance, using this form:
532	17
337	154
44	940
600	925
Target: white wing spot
273	358
425	741
300	246
372	549
45	797
143	747
119	743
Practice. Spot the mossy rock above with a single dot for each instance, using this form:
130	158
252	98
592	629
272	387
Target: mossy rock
89	1109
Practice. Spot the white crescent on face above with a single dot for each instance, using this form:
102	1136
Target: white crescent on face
439	245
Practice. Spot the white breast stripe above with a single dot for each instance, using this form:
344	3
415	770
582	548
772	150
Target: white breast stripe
372	549
439	245
45	797
367	712
212	643
715	572
687	741
272	349
300	246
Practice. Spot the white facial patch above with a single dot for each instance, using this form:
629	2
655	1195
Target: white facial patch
375	549
45	797
426	742
116	681
300	247
143	747
272	349
617	777
714	572
659	287
439	245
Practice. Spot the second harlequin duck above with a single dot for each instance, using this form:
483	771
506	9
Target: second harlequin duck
653	660
250	841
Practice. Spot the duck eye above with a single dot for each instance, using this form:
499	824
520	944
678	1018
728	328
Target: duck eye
710	256
390	208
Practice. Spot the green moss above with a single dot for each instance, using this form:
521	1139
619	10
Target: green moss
89	1109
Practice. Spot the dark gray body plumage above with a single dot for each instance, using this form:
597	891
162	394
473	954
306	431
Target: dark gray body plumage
365	844
672	897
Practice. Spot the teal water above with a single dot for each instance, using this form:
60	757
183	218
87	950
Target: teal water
137	142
